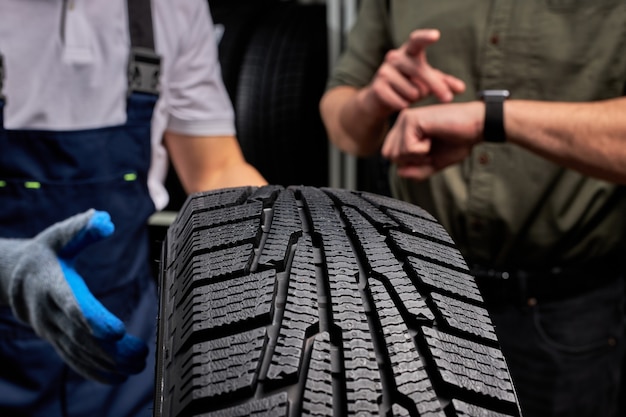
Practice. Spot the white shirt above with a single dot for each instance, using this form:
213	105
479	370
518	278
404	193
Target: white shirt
65	63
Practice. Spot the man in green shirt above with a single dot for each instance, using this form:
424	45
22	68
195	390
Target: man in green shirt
529	185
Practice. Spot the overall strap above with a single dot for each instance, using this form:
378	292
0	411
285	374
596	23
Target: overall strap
143	64
2	99
140	24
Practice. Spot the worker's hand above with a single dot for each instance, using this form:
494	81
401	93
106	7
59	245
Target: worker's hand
427	139
405	76
39	282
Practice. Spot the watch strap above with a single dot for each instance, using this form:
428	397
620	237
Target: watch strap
493	130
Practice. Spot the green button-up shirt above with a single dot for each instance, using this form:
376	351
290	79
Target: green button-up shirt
503	205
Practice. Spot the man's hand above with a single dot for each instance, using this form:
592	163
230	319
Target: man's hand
39	282
405	76
357	119
427	139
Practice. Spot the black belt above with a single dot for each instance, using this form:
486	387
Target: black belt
499	287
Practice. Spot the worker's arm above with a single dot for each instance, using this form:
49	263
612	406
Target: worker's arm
353	125
207	163
587	137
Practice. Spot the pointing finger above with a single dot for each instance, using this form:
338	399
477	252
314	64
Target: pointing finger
420	39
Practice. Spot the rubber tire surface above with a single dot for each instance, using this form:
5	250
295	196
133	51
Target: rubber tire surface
318	301
282	77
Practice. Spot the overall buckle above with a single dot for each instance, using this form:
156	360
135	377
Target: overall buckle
144	68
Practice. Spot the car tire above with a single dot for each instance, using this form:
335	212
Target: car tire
307	301
281	80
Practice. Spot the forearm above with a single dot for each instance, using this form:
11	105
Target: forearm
354	124
237	174
207	163
587	137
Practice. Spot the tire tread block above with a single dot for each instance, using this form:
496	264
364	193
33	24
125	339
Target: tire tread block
318	390
348	198
429	250
205	240
460	284
224	303
470	366
422	226
409	371
465	317
213	218
301	312
209	267
391	203
197	203
221	367
464	409
274	406
286	225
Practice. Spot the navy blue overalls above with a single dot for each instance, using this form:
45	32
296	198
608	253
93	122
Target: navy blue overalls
48	176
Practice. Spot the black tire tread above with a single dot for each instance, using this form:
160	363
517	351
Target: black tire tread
317	301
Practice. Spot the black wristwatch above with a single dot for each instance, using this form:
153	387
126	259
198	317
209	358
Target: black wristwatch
494	115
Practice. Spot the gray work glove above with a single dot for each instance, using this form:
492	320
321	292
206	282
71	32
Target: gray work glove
39	282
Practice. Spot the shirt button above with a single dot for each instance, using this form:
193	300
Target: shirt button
483	158
494	39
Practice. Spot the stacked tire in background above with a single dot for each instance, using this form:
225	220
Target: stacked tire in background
274	61
315	301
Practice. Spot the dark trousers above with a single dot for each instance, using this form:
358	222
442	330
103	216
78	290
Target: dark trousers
564	354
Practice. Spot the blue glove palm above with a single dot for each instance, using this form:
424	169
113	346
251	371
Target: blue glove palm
38	279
